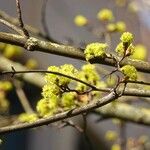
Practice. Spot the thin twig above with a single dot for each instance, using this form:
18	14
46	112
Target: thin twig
22	97
14	72
15	22
21	24
13	27
72	124
127	92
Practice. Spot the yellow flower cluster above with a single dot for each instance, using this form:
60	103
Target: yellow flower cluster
53	96
27	117
127	37
125	46
56	98
129	72
95	50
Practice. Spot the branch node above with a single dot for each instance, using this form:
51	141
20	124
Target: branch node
31	43
13	71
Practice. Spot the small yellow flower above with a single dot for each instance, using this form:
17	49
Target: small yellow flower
120	48
111	27
31	64
121	26
140	52
5	85
111	135
105	15
12	51
80	20
129	72
115	147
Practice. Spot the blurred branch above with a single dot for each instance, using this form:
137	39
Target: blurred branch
7	120
44	24
122	135
85	132
22	97
5	64
125	112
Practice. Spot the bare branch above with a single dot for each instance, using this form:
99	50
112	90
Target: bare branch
13	72
15	22
22	97
72	124
13	27
21	24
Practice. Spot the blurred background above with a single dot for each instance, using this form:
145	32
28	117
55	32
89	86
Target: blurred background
59	16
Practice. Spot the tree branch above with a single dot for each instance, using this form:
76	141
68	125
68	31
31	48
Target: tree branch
125	112
45	121
127	91
15	22
33	44
121	111
22	97
11	26
21	24
5	64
